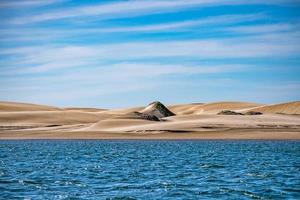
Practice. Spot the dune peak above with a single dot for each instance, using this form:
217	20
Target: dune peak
158	110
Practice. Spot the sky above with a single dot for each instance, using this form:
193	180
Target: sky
114	54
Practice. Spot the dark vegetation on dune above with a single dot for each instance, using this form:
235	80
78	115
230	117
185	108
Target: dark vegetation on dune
230	112
253	113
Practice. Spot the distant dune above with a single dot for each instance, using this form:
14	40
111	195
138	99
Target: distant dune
49	117
13	107
156	121
85	109
284	108
212	108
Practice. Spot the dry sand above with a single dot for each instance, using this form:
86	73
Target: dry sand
192	121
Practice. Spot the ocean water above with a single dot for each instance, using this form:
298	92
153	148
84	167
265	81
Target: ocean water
98	169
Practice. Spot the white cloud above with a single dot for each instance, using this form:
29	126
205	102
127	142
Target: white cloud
223	19
130	8
232	48
27	3
42	34
91	71
265	28
45	58
104	80
68	72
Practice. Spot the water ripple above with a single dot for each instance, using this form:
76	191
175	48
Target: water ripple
149	170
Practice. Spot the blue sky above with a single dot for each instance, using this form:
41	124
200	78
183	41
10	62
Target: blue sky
114	54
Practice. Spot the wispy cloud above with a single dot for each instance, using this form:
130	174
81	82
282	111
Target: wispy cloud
208	51
265	28
130	8
223	19
27	3
25	34
48	58
35	34
107	80
217	48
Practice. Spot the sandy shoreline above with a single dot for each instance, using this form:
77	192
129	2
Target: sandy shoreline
237	134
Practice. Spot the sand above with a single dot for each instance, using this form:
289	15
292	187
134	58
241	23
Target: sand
192	121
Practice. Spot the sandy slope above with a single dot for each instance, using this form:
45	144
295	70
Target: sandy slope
192	121
124	111
212	108
285	108
85	109
50	117
13	107
204	122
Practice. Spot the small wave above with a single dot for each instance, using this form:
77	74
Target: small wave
121	198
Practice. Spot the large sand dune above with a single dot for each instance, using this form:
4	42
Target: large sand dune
14	106
191	121
212	108
284	108
50	117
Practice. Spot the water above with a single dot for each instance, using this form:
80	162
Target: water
149	170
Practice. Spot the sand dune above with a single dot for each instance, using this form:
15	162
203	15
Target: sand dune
194	121
211	108
115	124
85	109
198	123
186	109
13	107
49	117
124	110
284	108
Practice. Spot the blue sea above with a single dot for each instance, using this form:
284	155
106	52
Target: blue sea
97	169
